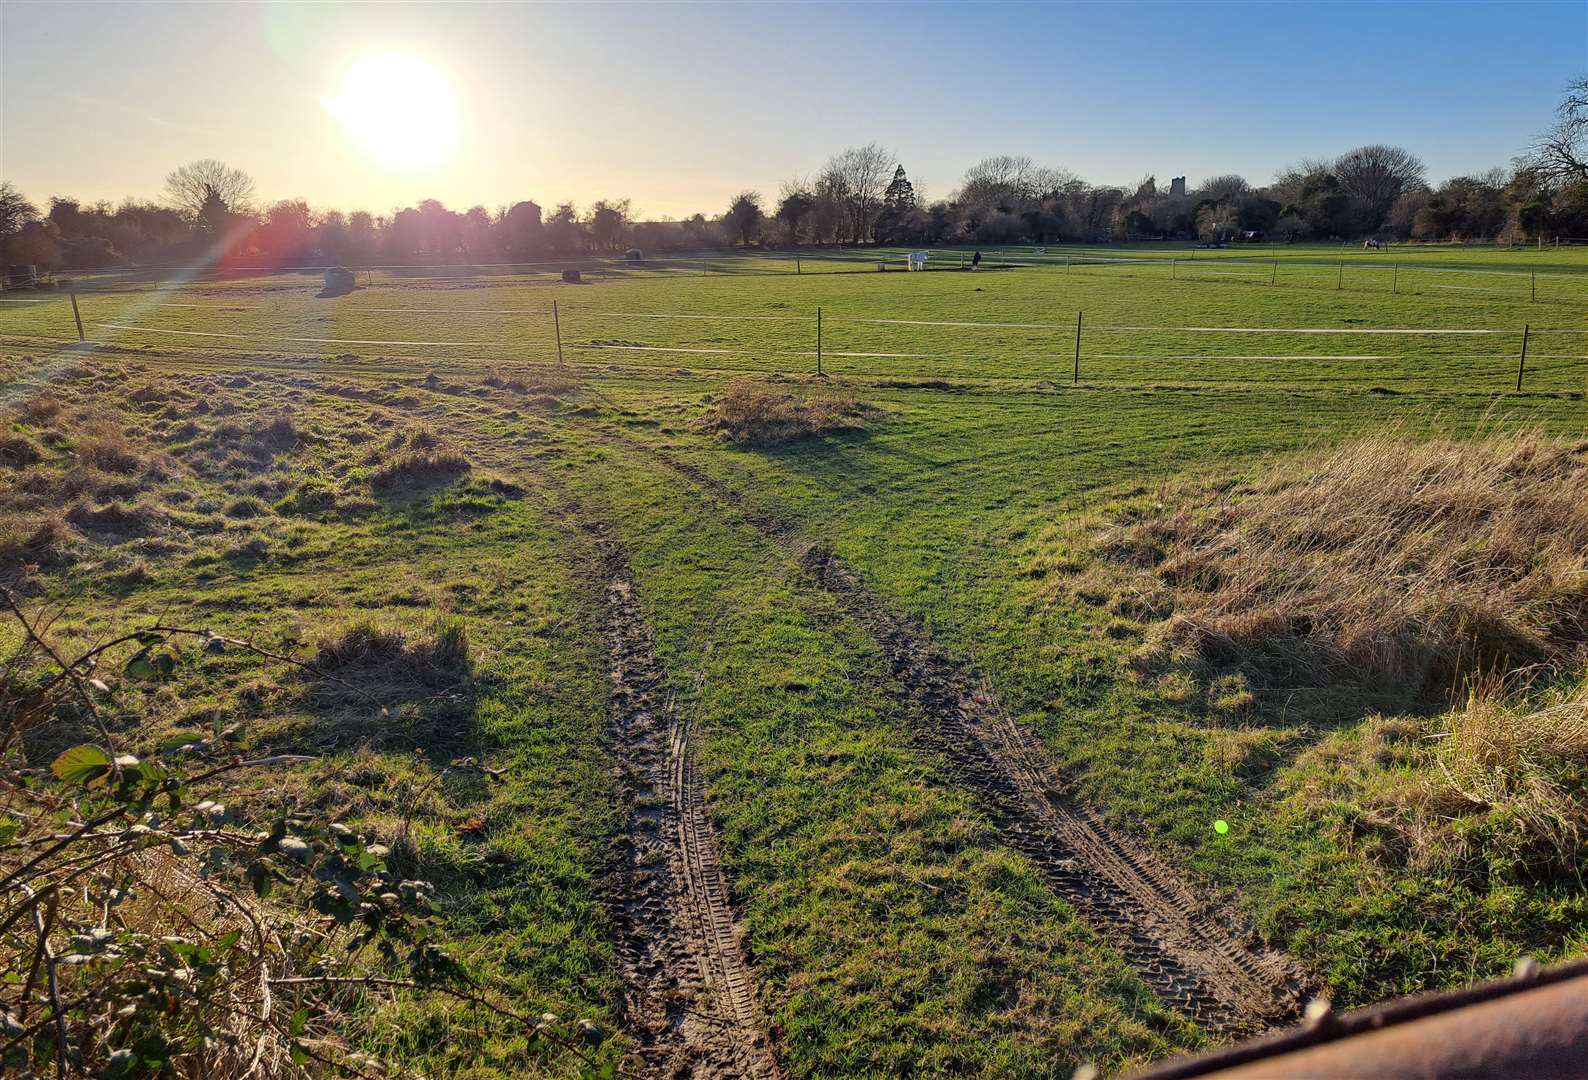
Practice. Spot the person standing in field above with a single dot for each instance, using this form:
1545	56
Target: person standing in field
975	261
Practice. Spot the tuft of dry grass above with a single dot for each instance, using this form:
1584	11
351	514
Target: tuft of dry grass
1495	784
750	412
418	469
105	447
40	539
1385	560
41	408
18	451
368	652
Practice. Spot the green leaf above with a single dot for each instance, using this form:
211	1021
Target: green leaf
178	741
81	765
138	665
144	664
259	878
299	1021
9	827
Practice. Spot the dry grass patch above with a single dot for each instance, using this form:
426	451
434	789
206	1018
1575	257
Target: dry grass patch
389	686
1497	786
42	539
18	451
105	446
41	408
750	412
418	469
1386	560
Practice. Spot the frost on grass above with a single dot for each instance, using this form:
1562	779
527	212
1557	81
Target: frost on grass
754	413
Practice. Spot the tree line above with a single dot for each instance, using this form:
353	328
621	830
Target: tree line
861	195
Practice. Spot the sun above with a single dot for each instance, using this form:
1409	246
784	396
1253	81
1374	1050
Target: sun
400	109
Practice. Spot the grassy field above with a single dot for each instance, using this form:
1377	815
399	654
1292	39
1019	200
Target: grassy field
1138	326
891	925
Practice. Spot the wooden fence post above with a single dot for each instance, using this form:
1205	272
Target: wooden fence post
818	341
1395	278
1274	277
1174	269
1339	280
1535	287
1077	377
76	317
556	323
797	269
1522	362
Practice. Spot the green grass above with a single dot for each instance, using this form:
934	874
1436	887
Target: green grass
888	927
1135	321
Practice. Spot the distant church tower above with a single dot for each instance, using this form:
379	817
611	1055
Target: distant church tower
1177	186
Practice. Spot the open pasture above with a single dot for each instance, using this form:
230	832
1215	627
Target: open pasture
1241	324
831	628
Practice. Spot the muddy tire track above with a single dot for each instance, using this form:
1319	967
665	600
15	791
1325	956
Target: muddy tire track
1198	958
689	995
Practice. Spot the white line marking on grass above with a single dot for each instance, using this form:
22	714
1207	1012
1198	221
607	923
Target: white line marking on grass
925	322
708	318
663	349
1294	330
316	340
1238	356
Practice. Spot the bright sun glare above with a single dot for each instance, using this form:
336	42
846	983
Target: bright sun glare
399	109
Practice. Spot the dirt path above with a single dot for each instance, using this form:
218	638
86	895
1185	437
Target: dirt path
689	996
1198	958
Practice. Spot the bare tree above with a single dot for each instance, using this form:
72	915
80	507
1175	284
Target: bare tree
207	186
1224	188
856	179
1011	182
1561	153
1377	175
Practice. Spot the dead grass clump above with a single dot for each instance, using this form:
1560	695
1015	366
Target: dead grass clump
367	652
148	394
115	517
279	434
753	413
419	469
106	447
36	540
18	451
1386	560
41	408
1493	787
245	508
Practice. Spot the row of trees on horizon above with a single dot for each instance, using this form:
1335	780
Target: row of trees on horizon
862	195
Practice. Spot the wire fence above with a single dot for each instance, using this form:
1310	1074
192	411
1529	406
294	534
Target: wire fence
832	342
1377	271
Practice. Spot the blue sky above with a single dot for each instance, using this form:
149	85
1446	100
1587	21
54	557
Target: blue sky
679	106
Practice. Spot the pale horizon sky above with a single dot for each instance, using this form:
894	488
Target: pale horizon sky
680	106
